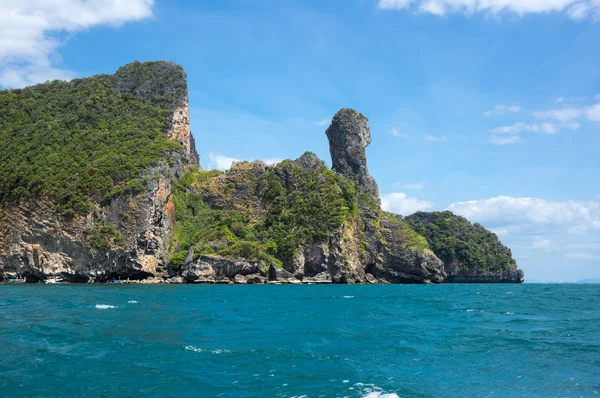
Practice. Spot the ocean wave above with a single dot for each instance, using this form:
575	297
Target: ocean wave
373	391
379	394
199	349
132	302
105	306
348	296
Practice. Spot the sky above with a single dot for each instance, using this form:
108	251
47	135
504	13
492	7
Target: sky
487	108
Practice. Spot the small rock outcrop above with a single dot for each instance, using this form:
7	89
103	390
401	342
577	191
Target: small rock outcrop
349	134
471	253
212	269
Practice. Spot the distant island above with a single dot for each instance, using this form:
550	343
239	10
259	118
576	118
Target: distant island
100	180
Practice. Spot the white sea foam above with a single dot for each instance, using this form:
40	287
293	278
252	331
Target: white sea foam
373	391
132	302
508	313
199	349
105	306
348	296
379	394
470	310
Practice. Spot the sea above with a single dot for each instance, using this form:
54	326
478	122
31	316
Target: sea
373	341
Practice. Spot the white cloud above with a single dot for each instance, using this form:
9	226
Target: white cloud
593	112
504	140
220	162
590	112
559	100
323	122
502	110
399	203
431	138
573	216
582	256
540	243
417	186
575	9
28	29
587	246
499	231
272	161
397	133
545	128
562	115
506	135
598	196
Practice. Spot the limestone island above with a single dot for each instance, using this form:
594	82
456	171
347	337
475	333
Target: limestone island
100	180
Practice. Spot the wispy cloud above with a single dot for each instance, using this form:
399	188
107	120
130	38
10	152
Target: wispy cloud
400	203
504	140
545	128
539	243
28	44
575	9
506	135
431	138
323	122
502	110
582	256
590	112
398	134
418	186
588	246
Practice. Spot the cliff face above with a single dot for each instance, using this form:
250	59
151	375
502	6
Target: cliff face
127	234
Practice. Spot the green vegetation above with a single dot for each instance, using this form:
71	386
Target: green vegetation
103	236
454	239
410	238
250	212
86	141
356	114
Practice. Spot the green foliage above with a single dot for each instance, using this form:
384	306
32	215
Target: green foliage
103	236
88	140
211	222
453	238
355	114
410	238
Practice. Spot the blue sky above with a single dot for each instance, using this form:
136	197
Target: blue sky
489	108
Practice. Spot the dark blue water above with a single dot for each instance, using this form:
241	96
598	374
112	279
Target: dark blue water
291	341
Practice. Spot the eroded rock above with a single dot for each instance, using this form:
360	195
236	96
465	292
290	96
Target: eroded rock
349	134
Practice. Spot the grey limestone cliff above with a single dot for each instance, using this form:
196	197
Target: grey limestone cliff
349	134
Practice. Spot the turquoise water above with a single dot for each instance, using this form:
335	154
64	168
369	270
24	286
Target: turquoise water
290	341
